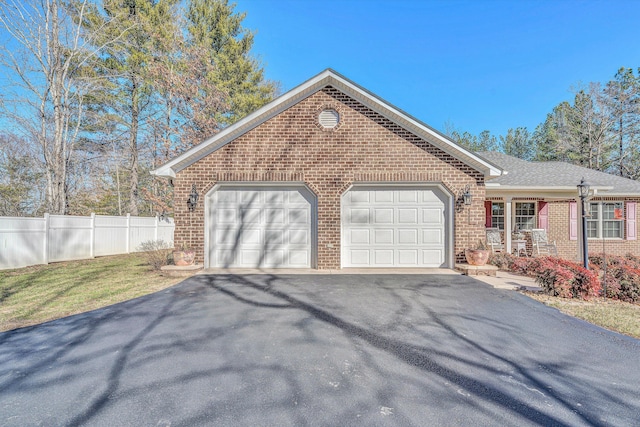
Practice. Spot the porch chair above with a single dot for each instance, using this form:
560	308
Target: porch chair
494	240
541	244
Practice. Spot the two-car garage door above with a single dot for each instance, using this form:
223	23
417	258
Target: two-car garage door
274	227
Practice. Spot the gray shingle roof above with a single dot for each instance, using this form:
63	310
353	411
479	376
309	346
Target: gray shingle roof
521	173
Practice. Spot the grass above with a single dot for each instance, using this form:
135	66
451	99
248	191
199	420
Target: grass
37	294
614	315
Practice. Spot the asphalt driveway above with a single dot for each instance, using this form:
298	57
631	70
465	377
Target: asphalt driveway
334	350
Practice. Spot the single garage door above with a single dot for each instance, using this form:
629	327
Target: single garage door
394	227
260	227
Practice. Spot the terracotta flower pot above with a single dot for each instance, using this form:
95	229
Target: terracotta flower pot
477	256
182	258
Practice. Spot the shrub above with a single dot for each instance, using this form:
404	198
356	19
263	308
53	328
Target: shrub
622	275
502	260
566	279
156	252
526	266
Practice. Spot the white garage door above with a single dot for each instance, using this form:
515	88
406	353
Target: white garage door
394	227
260	227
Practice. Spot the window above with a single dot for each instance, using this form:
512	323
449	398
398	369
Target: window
497	215
606	220
526	215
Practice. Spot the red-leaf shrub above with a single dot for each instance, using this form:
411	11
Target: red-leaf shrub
622	275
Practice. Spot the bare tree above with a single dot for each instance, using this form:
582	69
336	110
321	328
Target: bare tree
46	56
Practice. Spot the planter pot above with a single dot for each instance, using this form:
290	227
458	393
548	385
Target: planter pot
182	258
477	256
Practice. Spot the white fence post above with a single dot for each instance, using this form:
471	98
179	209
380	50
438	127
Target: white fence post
45	245
92	249
155	231
128	232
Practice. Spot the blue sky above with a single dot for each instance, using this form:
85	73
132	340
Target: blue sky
476	64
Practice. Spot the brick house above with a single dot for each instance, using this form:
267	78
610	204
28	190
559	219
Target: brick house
544	195
329	176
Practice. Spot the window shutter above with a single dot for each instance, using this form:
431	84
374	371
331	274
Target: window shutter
573	221
632	231
487	212
543	215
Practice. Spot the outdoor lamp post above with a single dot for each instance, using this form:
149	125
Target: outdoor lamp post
583	192
192	201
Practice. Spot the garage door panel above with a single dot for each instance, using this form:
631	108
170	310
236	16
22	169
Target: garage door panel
408	197
227	216
390	227
408	257
432	256
274	216
383	257
299	237
383	236
433	216
383	216
250	236
407	215
299	257
432	237
249	216
268	227
358	216
356	196
273	237
383	196
298	216
408	237
359	257
360	236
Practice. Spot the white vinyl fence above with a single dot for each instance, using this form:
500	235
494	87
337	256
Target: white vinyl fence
31	241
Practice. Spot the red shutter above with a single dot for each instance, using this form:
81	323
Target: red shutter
632	231
487	213
543	215
573	221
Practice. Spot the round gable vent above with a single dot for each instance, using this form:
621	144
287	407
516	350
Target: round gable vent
329	118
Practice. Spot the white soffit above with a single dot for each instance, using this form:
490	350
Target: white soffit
326	78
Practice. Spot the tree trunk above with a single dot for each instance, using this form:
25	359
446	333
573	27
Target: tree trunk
133	149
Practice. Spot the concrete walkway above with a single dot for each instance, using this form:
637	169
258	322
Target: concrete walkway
506	280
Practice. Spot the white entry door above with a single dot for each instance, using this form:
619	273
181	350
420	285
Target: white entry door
256	227
394	227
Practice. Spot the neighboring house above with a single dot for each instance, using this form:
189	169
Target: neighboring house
544	195
329	176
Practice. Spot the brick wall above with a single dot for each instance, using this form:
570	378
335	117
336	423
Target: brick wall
293	147
571	249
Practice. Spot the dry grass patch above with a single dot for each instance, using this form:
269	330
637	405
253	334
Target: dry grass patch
37	294
614	315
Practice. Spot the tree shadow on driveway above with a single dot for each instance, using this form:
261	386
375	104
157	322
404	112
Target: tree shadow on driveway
319	350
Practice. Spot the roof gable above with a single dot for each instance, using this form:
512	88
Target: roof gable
306	89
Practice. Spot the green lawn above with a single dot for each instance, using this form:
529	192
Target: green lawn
614	315
36	294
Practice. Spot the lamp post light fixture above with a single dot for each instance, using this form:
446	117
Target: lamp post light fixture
467	199
466	196
583	192
192	201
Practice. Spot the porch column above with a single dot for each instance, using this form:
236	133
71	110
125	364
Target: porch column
507	224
